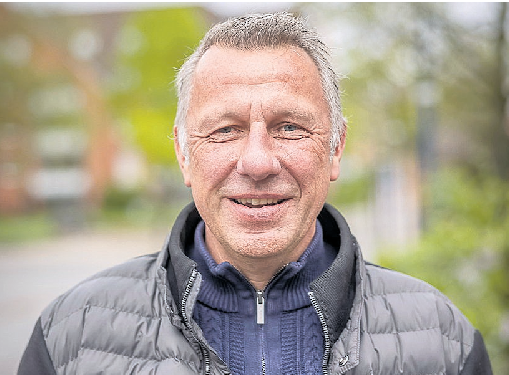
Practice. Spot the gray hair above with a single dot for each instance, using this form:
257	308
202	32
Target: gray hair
258	31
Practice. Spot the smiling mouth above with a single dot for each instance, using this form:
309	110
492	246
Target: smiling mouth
258	202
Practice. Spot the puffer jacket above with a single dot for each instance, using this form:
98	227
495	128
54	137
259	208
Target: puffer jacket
136	318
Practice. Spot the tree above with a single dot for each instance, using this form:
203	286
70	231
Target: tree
152	44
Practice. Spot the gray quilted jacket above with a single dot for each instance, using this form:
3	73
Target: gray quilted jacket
136	318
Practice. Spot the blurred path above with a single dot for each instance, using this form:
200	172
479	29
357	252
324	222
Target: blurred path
32	275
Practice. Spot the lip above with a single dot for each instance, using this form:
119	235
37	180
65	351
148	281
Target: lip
267	212
258	202
259	196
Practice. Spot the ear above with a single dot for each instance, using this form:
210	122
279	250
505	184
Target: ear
336	158
181	158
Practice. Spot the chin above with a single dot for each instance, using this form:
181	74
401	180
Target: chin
260	248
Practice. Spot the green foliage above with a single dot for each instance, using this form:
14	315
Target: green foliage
119	199
151	46
465	252
26	228
352	191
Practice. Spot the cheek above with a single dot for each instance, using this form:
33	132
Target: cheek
210	164
309	162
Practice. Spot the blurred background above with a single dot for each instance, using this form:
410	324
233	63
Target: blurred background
88	177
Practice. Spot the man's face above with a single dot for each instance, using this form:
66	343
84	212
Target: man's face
259	156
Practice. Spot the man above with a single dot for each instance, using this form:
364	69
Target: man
259	275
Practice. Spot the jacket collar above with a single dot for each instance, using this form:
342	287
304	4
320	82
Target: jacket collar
172	260
340	292
335	288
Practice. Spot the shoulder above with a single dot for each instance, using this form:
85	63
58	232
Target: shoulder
117	317
411	310
105	290
414	297
383	281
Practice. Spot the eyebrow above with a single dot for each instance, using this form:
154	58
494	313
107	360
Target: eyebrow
294	114
227	116
290	114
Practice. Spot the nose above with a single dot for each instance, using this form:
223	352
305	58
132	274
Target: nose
257	159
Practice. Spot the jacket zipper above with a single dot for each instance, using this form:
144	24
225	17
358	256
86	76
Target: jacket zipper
260	307
187	292
260	320
260	315
325	330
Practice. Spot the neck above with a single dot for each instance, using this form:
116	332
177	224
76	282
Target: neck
258	270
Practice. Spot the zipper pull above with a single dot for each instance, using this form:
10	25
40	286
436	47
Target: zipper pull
260	307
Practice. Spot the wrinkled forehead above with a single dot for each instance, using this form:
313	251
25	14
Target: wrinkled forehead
286	74
230	64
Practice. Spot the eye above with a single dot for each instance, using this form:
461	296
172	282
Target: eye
224	134
289	127
290	131
225	130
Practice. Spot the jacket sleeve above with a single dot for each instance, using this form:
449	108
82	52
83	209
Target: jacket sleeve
478	362
36	359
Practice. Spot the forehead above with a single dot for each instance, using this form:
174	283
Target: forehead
233	60
275	72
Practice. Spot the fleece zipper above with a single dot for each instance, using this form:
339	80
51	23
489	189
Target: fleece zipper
260	316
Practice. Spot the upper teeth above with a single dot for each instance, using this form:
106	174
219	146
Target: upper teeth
257	202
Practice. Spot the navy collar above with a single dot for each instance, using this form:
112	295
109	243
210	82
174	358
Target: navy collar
224	288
